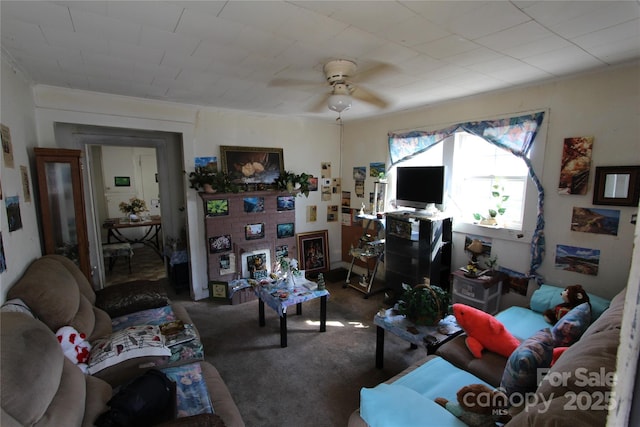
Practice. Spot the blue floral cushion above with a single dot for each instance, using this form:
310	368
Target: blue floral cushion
521	372
572	325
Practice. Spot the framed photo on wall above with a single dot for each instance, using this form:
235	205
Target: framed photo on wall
286	203
254	231
252	165
217	207
285	230
313	251
220	243
253	204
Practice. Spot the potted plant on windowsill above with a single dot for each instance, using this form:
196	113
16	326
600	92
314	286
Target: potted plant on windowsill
292	182
498	197
423	304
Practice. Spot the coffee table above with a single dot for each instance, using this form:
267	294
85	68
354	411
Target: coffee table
431	337
279	297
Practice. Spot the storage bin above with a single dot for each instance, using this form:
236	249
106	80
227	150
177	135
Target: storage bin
477	293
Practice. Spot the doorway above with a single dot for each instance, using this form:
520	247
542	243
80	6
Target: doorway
155	170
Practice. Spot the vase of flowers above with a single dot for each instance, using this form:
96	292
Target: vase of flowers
134	208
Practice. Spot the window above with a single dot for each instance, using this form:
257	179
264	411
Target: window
474	167
478	166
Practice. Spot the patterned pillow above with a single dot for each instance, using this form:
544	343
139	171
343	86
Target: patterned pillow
572	325
129	343
521	372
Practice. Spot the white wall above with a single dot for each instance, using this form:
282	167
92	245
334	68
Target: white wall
604	105
17	112
306	143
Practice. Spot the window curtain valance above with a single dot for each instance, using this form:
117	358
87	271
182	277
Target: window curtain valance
515	134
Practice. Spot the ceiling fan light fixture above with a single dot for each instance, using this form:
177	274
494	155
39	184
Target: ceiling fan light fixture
339	103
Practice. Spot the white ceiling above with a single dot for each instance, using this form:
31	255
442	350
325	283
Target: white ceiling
226	53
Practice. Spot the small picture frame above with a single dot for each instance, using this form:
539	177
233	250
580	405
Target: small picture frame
256	264
220	243
122	181
254	231
219	290
286	203
253	204
282	251
285	230
217	207
313	251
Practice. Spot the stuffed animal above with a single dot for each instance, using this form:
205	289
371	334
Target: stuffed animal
572	296
478	406
74	346
484	331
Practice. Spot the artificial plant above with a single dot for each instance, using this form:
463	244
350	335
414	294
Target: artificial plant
423	304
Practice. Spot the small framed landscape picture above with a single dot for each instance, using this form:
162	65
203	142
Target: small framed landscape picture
286	203
217	207
285	230
254	204
122	181
220	243
254	231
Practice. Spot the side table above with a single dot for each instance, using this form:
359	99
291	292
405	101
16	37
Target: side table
431	337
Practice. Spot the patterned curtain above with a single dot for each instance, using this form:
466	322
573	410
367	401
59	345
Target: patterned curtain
515	134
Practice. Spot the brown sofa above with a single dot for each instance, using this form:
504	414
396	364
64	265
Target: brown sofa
55	294
588	367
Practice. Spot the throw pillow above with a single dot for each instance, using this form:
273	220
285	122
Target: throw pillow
129	343
572	325
126	298
521	371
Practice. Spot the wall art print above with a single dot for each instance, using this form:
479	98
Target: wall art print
286	203
217	207
285	230
314	251
578	260
252	165
220	243
595	220
13	213
254	231
253	204
575	166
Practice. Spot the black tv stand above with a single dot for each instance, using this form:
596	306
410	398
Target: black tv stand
417	247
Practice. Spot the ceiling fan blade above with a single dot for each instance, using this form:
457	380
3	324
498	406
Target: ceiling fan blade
379	69
320	105
368	97
293	83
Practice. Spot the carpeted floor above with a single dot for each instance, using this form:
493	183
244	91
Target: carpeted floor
316	380
146	264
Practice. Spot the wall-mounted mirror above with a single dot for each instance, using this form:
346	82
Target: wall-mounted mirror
617	185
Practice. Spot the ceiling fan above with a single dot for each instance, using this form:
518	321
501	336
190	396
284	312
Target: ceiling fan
340	74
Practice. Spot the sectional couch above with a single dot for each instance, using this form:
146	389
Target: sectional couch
575	391
39	385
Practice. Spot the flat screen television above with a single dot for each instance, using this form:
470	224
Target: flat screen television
419	187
